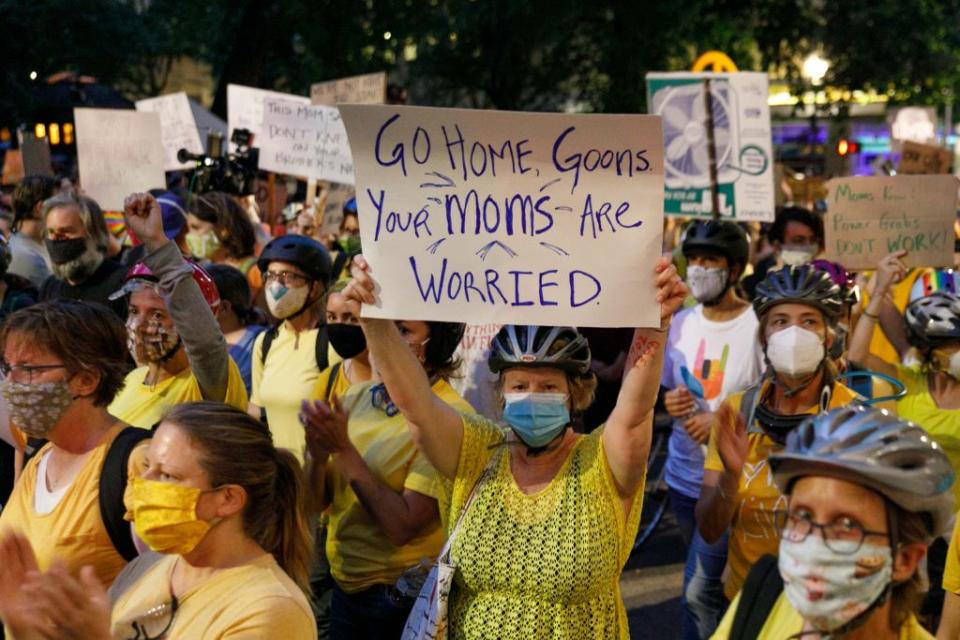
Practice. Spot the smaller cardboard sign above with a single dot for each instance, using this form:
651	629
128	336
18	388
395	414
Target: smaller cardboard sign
177	126
870	217
12	167
916	158
304	140
119	152
366	89
36	155
916	124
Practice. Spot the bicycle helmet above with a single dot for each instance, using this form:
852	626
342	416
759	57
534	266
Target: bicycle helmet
304	252
844	279
717	237
140	273
931	280
530	346
803	285
873	448
933	320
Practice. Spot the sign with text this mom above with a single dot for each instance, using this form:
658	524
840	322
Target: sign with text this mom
505	217
868	218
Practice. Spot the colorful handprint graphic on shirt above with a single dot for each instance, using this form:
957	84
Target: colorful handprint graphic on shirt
706	381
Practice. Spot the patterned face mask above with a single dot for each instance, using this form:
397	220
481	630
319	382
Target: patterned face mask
35	408
150	341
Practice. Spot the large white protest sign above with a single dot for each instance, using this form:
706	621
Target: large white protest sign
742	143
245	108
493	216
304	140
366	89
119	152
177	127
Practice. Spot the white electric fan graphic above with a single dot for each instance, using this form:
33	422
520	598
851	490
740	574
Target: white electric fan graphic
685	134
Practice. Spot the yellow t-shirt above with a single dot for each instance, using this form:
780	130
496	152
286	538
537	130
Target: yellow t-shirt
249	602
338	388
753	532
545	565
900	293
784	622
73	531
287	378
143	406
359	553
943	424
951	570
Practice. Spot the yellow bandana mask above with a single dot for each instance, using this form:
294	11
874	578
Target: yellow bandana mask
165	516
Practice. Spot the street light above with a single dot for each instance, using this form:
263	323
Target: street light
815	68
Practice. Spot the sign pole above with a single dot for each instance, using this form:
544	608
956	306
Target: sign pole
711	151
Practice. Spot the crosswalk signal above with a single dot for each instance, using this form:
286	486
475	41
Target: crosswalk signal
846	147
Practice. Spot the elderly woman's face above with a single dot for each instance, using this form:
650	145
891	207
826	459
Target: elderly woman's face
845	505
535	380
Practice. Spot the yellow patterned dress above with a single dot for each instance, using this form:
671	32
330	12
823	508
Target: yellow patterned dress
545	565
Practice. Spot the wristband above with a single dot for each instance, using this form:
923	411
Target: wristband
872	316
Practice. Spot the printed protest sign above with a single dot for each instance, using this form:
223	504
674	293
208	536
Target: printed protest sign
245	108
304	140
177	127
494	216
741	140
867	218
366	89
916	158
119	152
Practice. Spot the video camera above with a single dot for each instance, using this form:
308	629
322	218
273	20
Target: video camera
233	173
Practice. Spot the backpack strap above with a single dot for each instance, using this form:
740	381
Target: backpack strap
748	406
113	484
760	592
334	372
338	264
268	337
322	347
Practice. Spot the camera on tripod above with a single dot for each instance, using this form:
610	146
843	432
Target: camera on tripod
233	173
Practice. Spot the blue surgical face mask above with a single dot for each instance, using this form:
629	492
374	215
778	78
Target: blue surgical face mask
536	418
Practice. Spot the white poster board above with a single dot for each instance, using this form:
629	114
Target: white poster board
304	140
119	152
366	89
506	217
245	109
742	142
913	124
177	127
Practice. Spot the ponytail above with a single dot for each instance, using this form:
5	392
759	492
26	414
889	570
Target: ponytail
289	539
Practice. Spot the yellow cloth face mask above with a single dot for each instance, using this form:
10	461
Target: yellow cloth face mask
165	516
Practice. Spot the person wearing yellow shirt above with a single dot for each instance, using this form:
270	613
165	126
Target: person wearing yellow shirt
380	492
172	332
865	493
797	308
220	508
63	362
541	547
949	628
296	271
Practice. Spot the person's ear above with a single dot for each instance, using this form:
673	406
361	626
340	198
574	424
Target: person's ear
38	211
233	498
224	307
907	559
84	383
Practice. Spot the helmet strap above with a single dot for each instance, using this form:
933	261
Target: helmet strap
306	305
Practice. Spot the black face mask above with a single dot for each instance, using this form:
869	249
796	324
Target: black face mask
347	339
63	251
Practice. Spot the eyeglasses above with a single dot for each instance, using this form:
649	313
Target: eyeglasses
844	535
21	373
155	623
287	278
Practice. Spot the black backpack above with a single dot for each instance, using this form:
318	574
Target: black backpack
112	485
760	592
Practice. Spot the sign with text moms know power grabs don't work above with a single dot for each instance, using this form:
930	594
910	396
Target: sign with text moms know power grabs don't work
494	216
870	217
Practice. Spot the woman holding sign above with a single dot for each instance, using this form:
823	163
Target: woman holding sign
550	526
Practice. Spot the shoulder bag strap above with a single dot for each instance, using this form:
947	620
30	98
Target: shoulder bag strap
487	472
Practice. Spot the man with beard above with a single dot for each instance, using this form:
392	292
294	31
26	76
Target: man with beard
76	239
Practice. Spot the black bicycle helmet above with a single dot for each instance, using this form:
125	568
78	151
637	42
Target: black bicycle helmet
306	253
870	447
933	320
803	285
719	237
445	337
519	345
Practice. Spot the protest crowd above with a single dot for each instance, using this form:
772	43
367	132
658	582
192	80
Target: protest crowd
218	424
